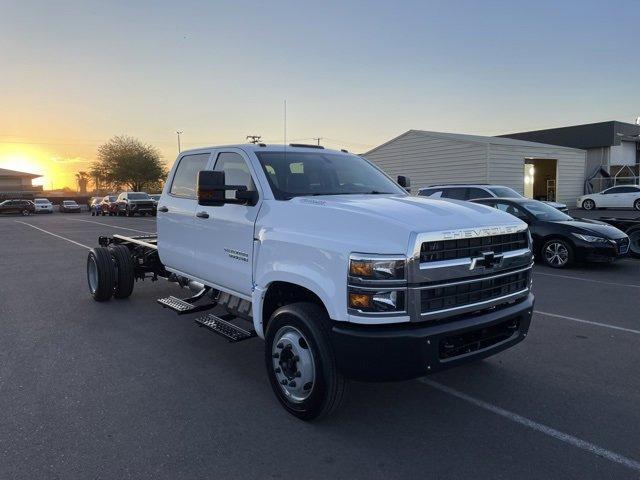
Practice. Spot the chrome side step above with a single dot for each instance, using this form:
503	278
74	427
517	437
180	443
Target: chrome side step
188	305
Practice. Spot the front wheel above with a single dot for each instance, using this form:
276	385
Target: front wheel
588	204
25	212
300	361
636	204
557	253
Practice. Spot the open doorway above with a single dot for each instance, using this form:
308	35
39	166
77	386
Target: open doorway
541	178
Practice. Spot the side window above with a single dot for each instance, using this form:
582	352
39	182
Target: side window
186	176
629	190
511	209
431	192
612	190
455	193
236	172
474	193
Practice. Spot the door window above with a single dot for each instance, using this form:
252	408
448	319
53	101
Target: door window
431	192
236	172
455	193
186	176
474	193
613	190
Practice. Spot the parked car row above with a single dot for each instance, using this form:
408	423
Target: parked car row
127	203
38	205
558	239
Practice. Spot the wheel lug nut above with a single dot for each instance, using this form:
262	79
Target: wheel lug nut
292	383
308	385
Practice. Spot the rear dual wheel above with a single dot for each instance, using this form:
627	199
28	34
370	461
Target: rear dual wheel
110	272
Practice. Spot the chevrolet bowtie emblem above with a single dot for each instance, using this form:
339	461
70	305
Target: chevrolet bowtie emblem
486	260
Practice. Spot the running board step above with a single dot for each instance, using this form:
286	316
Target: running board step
181	306
222	327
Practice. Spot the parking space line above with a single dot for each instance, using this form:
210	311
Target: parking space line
588	280
109	225
588	322
53	234
539	427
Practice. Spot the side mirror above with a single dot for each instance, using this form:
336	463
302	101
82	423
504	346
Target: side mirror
211	188
404	182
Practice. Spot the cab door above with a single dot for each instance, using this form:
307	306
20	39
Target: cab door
176	210
223	236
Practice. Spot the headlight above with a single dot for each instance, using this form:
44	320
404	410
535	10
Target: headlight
590	238
376	301
376	268
377	283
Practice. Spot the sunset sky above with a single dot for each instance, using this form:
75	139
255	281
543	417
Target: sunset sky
356	73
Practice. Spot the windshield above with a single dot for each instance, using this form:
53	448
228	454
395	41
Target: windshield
542	211
41	200
112	198
504	192
294	174
137	196
69	202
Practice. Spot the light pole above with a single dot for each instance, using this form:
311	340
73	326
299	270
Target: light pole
179	132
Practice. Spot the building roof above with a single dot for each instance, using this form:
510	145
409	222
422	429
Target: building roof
588	135
460	137
13	173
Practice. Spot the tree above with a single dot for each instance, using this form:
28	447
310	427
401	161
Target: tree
82	178
125	160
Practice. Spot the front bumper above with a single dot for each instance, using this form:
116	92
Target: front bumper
598	252
403	352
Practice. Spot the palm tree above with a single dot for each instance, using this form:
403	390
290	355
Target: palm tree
82	178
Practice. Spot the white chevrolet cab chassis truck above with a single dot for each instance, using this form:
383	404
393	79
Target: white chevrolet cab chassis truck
341	272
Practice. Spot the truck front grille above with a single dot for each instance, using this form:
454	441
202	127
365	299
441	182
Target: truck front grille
435	251
468	292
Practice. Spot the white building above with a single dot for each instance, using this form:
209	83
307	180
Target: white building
545	172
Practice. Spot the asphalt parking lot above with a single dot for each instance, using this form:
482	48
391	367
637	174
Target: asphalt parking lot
126	389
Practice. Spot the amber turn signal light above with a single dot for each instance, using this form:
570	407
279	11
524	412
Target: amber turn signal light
359	268
360	301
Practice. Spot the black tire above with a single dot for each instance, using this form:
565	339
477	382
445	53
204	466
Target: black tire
636	204
634	242
130	214
25	213
589	204
143	214
564	253
328	387
101	281
124	271
103	213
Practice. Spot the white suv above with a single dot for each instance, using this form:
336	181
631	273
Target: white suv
474	192
43	205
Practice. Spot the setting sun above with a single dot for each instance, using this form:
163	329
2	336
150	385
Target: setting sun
56	171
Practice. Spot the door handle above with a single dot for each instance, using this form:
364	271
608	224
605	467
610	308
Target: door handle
202	215
163	209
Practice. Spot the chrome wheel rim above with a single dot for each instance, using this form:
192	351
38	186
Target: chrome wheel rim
556	254
588	204
293	364
92	274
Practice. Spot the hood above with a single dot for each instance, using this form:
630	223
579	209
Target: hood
380	223
594	227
